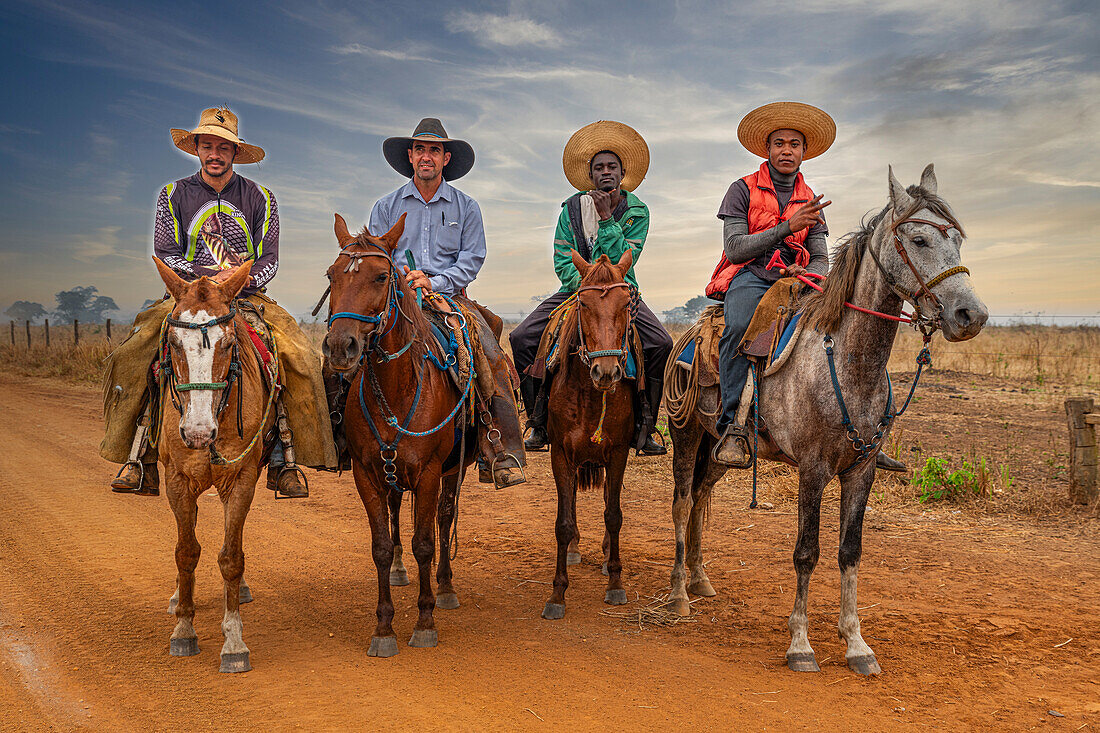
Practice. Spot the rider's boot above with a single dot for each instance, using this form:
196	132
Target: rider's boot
283	475
537	440
886	463
733	448
644	441
336	390
503	467
139	474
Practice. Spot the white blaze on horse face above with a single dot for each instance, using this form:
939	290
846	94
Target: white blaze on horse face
199	421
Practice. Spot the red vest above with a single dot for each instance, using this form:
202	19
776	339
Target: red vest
764	214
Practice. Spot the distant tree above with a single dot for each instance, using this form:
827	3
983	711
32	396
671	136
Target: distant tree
23	310
689	311
82	304
540	298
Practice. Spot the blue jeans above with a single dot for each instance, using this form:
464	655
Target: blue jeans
744	294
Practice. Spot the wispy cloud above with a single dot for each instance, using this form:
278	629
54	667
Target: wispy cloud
504	30
358	49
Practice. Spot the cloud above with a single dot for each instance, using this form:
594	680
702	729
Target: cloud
504	30
358	49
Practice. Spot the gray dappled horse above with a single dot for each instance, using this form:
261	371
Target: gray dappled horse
914	244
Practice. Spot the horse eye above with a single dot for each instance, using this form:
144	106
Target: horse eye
381	278
920	241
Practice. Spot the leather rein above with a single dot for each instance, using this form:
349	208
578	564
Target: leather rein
621	352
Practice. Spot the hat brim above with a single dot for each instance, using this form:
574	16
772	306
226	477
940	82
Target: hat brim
815	124
623	140
462	155
185	141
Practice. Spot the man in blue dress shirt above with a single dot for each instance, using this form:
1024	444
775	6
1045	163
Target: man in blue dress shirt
446	236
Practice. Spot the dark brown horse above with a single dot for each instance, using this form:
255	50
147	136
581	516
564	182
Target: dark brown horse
591	418
400	418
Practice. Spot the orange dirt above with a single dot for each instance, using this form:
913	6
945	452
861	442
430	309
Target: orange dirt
967	612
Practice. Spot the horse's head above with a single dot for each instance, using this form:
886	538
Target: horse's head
201	341
603	316
365	285
920	251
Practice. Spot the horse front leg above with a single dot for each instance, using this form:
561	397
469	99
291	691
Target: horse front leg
184	641
383	643
423	547
445	597
234	655
613	523
811	484
398	574
565	477
854	491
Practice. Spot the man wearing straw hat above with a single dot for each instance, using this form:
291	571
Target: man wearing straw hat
445	236
605	161
773	227
206	224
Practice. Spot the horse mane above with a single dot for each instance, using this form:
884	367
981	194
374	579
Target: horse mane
601	273
822	311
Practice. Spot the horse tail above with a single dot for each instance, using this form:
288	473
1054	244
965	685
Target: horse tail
590	477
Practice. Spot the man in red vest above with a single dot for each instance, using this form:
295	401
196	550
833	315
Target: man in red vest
772	227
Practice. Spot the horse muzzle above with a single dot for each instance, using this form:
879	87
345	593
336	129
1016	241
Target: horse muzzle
963	319
342	351
198	437
604	378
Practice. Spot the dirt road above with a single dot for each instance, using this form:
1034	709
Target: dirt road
968	617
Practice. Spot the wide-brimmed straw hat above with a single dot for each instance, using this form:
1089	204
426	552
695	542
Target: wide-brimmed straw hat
218	121
623	140
815	125
429	130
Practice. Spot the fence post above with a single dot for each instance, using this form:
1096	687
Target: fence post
28	334
108	329
47	332
76	332
12	332
1082	449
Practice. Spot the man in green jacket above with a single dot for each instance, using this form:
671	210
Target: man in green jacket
605	162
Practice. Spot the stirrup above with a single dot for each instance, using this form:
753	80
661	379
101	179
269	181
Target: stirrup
737	433
493	468
141	477
301	474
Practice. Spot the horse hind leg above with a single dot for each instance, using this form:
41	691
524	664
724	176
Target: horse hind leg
398	575
685	448
811	484
707	473
853	501
445	597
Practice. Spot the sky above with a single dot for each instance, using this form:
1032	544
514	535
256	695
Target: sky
1003	96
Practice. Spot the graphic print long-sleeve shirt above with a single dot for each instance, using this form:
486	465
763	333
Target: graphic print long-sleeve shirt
247	218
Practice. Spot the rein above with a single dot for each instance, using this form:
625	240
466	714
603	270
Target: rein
621	352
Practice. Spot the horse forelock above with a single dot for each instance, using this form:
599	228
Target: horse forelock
602	272
923	199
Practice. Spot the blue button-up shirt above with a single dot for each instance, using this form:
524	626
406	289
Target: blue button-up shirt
445	235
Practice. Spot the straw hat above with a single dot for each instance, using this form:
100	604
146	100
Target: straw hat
429	130
218	121
815	125
623	140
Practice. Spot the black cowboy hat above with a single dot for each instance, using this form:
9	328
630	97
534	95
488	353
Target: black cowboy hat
429	130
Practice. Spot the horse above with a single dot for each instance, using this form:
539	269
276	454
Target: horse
216	385
830	407
591	420
403	418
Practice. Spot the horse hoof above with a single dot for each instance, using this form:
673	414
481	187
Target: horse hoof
615	596
382	646
235	662
803	662
702	588
424	638
244	595
184	647
447	601
573	558
172	603
603	569
680	607
399	577
553	611
867	665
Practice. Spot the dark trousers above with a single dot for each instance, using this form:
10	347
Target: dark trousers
743	296
656	343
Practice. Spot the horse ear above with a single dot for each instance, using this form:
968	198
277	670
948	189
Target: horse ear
899	199
233	284
175	284
624	263
343	236
393	236
928	180
579	263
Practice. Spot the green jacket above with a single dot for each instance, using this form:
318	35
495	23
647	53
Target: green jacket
628	229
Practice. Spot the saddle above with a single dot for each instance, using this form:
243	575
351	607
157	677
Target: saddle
549	356
456	356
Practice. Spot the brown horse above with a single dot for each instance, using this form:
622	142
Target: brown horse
591	422
224	407
401	416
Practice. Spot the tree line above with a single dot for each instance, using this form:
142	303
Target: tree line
82	303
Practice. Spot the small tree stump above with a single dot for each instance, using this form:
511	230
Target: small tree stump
1082	449
28	323
47	332
76	331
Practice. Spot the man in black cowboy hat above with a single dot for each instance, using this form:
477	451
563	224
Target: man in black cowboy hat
446	237
605	161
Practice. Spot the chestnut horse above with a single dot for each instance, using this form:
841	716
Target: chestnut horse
217	388
591	420
401	416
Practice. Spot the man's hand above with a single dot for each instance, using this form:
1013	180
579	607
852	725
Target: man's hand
808	214
602	199
417	279
792	271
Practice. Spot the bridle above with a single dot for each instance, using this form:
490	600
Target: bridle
233	372
383	318
621	352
